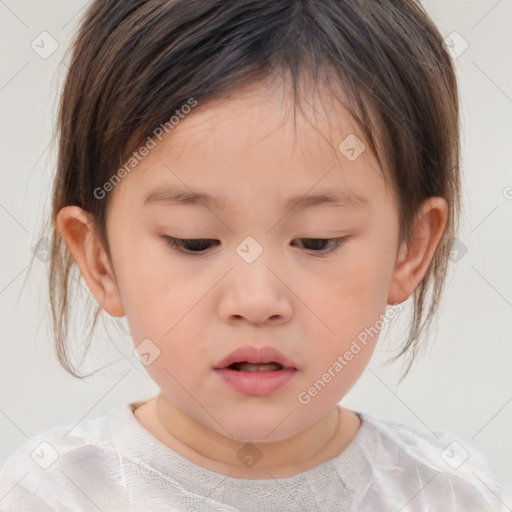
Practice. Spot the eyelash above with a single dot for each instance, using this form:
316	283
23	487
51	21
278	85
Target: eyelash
179	244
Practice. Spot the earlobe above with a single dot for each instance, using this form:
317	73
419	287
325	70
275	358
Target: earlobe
77	228
415	256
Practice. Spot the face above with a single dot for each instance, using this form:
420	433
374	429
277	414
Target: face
258	279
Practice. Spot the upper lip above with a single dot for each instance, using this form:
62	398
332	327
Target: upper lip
252	354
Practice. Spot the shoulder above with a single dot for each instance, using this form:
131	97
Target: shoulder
437	466
51	461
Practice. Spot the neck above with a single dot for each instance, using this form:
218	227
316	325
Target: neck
316	444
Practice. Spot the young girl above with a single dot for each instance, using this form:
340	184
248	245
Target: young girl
255	185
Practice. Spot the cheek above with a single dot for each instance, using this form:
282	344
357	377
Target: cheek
153	287
350	298
163	303
355	290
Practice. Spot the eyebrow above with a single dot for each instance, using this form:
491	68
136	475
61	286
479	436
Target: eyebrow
176	197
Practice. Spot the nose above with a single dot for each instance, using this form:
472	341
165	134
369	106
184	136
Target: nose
254	293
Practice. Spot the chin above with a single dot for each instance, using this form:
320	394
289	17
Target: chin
259	427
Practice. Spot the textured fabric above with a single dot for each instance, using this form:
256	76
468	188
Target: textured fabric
113	464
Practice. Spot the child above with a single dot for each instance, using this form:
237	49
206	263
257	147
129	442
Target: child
249	251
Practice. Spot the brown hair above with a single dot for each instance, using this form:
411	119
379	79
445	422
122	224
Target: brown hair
136	62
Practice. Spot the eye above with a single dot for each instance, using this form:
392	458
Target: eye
189	245
323	245
199	245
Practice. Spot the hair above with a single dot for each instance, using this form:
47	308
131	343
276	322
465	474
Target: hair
135	62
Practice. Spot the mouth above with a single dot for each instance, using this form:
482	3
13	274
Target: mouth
245	366
256	372
256	359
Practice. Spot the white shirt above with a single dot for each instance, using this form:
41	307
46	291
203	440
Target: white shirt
113	463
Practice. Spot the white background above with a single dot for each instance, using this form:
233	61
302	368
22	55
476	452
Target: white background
463	381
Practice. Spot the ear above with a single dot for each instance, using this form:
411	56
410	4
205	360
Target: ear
77	228
414	257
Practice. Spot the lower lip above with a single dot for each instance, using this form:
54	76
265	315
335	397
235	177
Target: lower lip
256	383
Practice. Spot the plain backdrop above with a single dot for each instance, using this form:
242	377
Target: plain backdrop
462	382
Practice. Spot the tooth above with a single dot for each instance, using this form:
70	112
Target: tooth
254	367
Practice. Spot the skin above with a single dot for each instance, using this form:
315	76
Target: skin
198	308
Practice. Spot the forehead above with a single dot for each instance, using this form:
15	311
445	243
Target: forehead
263	116
256	140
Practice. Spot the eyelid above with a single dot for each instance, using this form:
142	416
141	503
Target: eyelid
336	243
177	244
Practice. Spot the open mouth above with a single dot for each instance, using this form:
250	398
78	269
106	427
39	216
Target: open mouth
244	366
256	378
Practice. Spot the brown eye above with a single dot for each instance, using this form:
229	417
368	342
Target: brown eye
322	245
189	245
